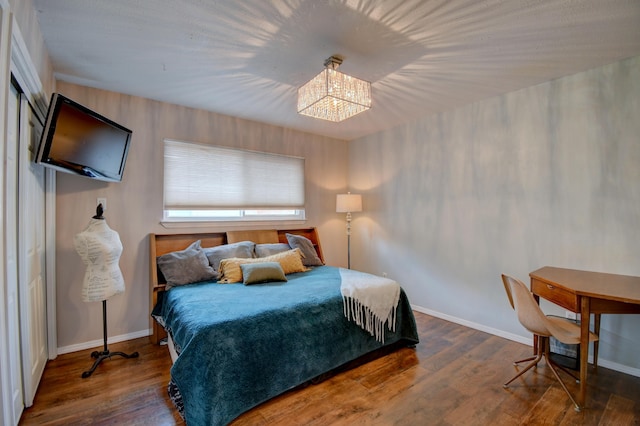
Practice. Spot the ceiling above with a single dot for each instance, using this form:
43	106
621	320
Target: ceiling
247	58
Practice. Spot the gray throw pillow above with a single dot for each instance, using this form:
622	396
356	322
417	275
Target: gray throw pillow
186	266
242	249
309	254
254	273
264	250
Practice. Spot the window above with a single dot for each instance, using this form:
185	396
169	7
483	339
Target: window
209	183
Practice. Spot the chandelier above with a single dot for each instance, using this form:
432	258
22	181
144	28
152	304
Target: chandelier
332	95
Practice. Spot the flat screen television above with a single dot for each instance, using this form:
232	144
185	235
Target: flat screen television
80	141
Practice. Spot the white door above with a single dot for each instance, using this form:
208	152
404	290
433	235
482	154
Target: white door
31	254
11	250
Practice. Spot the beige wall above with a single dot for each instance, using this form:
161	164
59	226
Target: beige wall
135	204
548	175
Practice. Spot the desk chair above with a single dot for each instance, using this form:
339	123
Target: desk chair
533	319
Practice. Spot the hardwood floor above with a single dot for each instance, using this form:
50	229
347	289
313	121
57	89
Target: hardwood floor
453	377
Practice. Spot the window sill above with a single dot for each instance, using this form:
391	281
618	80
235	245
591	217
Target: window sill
226	224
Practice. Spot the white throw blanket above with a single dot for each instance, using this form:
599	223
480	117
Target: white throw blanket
370	301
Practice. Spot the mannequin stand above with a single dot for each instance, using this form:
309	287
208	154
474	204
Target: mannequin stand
102	355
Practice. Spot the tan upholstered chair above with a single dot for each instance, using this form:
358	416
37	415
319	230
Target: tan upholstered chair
533	319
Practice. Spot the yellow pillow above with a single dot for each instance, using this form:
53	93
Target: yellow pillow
290	261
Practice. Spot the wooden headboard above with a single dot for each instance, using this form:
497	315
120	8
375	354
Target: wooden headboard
160	244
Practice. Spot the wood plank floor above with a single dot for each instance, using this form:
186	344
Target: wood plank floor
453	377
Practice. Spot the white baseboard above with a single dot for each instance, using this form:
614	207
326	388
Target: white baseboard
100	343
618	367
500	333
517	338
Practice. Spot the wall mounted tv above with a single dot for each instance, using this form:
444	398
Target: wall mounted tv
80	141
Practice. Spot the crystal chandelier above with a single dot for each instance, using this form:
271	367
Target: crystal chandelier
332	95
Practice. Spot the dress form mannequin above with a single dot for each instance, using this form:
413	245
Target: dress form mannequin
100	248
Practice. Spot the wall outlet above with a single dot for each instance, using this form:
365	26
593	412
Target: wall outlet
384	274
102	201
570	315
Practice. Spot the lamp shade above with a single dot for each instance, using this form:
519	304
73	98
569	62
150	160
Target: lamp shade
348	203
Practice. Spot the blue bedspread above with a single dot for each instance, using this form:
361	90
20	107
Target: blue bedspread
242	345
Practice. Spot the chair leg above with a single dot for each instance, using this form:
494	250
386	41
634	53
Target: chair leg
555	373
535	351
533	363
558	366
543	351
520	361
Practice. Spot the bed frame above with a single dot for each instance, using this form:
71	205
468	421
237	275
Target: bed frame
160	244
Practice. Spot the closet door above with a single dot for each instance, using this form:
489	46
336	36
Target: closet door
11	250
31	254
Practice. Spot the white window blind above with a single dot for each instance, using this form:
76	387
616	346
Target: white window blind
204	177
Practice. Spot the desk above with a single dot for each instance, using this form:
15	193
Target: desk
587	293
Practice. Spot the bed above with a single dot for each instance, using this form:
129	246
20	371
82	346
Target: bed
239	345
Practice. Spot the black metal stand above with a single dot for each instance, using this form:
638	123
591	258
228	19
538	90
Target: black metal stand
100	356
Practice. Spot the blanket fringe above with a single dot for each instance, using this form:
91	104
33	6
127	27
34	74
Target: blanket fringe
367	320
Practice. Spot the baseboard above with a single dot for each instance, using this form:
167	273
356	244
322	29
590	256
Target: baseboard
100	343
517	338
618	367
475	326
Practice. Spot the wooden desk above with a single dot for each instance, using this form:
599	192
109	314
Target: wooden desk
587	293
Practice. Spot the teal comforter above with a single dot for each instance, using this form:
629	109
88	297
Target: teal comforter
242	345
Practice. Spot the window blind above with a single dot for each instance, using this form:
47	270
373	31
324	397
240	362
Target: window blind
201	177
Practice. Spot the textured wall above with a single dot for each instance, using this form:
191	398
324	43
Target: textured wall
135	204
548	175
